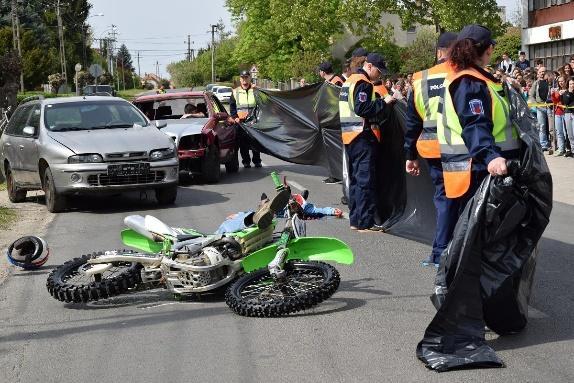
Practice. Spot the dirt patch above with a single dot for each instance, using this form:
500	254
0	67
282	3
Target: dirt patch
29	218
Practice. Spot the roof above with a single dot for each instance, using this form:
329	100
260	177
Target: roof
63	100
168	96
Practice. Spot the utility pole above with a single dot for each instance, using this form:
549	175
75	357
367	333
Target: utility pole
192	54
139	73
62	47
213	28
16	37
188	47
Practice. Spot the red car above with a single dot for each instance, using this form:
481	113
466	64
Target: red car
197	122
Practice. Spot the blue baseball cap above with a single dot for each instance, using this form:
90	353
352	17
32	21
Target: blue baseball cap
446	39
378	61
360	52
477	33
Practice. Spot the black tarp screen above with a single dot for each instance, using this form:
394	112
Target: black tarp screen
302	126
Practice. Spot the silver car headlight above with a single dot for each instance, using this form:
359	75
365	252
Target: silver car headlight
162	154
85	159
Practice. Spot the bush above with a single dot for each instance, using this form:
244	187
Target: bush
421	54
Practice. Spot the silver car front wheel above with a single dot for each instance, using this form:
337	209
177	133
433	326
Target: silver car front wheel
55	202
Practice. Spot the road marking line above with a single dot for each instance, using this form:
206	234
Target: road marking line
296	185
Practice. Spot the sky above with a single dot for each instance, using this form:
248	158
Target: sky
158	29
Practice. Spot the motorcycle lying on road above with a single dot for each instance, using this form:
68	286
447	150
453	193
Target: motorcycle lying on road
266	278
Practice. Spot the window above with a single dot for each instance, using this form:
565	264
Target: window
218	106
18	121
34	119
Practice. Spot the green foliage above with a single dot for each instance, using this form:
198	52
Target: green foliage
421	53
508	43
198	72
55	80
39	37
85	78
390	51
124	58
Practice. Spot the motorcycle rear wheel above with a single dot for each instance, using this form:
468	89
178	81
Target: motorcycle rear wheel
67	283
306	284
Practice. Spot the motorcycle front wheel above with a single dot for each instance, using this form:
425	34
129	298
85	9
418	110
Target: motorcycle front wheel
69	283
306	284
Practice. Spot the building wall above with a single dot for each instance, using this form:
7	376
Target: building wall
401	37
541	19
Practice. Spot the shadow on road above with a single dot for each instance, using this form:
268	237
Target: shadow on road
551	319
135	201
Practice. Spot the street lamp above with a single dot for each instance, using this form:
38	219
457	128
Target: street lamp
84	27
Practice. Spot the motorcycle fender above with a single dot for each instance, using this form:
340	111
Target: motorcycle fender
305	249
137	241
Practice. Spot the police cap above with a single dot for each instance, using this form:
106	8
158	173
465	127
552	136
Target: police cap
377	61
244	73
360	52
446	39
326	67
477	33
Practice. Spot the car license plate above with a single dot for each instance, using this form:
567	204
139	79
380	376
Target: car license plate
135	169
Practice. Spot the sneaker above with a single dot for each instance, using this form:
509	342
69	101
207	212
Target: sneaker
258	165
372	229
550	152
344	200
354	228
559	153
331	180
338	213
263	217
247	166
428	262
305	194
568	153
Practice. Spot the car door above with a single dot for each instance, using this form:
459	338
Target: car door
30	155
12	143
225	133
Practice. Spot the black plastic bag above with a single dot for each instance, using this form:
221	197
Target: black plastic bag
487	270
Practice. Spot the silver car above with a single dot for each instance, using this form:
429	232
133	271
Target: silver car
78	145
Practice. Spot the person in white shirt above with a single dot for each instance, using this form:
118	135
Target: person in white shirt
506	65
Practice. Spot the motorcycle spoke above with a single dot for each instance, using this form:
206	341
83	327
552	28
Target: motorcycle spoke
267	289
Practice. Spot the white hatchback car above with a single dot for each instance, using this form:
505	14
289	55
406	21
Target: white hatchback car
223	93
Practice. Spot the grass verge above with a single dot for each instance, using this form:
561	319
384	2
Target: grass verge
7	215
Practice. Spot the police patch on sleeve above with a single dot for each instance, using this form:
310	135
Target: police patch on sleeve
362	96
476	106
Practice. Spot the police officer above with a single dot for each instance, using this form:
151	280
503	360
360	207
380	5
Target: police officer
241	103
421	140
358	105
326	72
475	133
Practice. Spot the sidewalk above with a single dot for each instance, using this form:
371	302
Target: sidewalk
562	169
32	219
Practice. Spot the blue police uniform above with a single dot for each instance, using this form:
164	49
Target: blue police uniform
477	127
447	209
362	154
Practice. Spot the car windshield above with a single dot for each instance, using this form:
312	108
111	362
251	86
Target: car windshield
224	90
173	109
92	115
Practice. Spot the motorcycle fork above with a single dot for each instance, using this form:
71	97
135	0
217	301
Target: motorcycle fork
276	265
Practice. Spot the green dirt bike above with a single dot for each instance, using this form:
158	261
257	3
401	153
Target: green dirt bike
265	277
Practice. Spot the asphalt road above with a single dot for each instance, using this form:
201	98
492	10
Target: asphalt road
366	333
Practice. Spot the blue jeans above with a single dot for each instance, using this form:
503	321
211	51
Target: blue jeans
559	129
311	211
569	123
542	117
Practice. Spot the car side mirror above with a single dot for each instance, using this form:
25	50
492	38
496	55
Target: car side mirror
160	124
221	116
29	131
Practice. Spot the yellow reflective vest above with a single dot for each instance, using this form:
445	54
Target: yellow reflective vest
245	101
351	124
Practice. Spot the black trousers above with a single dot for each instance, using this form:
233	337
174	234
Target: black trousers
245	146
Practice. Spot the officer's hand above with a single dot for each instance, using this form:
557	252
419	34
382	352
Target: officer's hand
497	167
389	99
412	167
237	120
230	120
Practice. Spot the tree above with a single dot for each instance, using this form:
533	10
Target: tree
421	53
363	17
124	58
10	67
509	43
